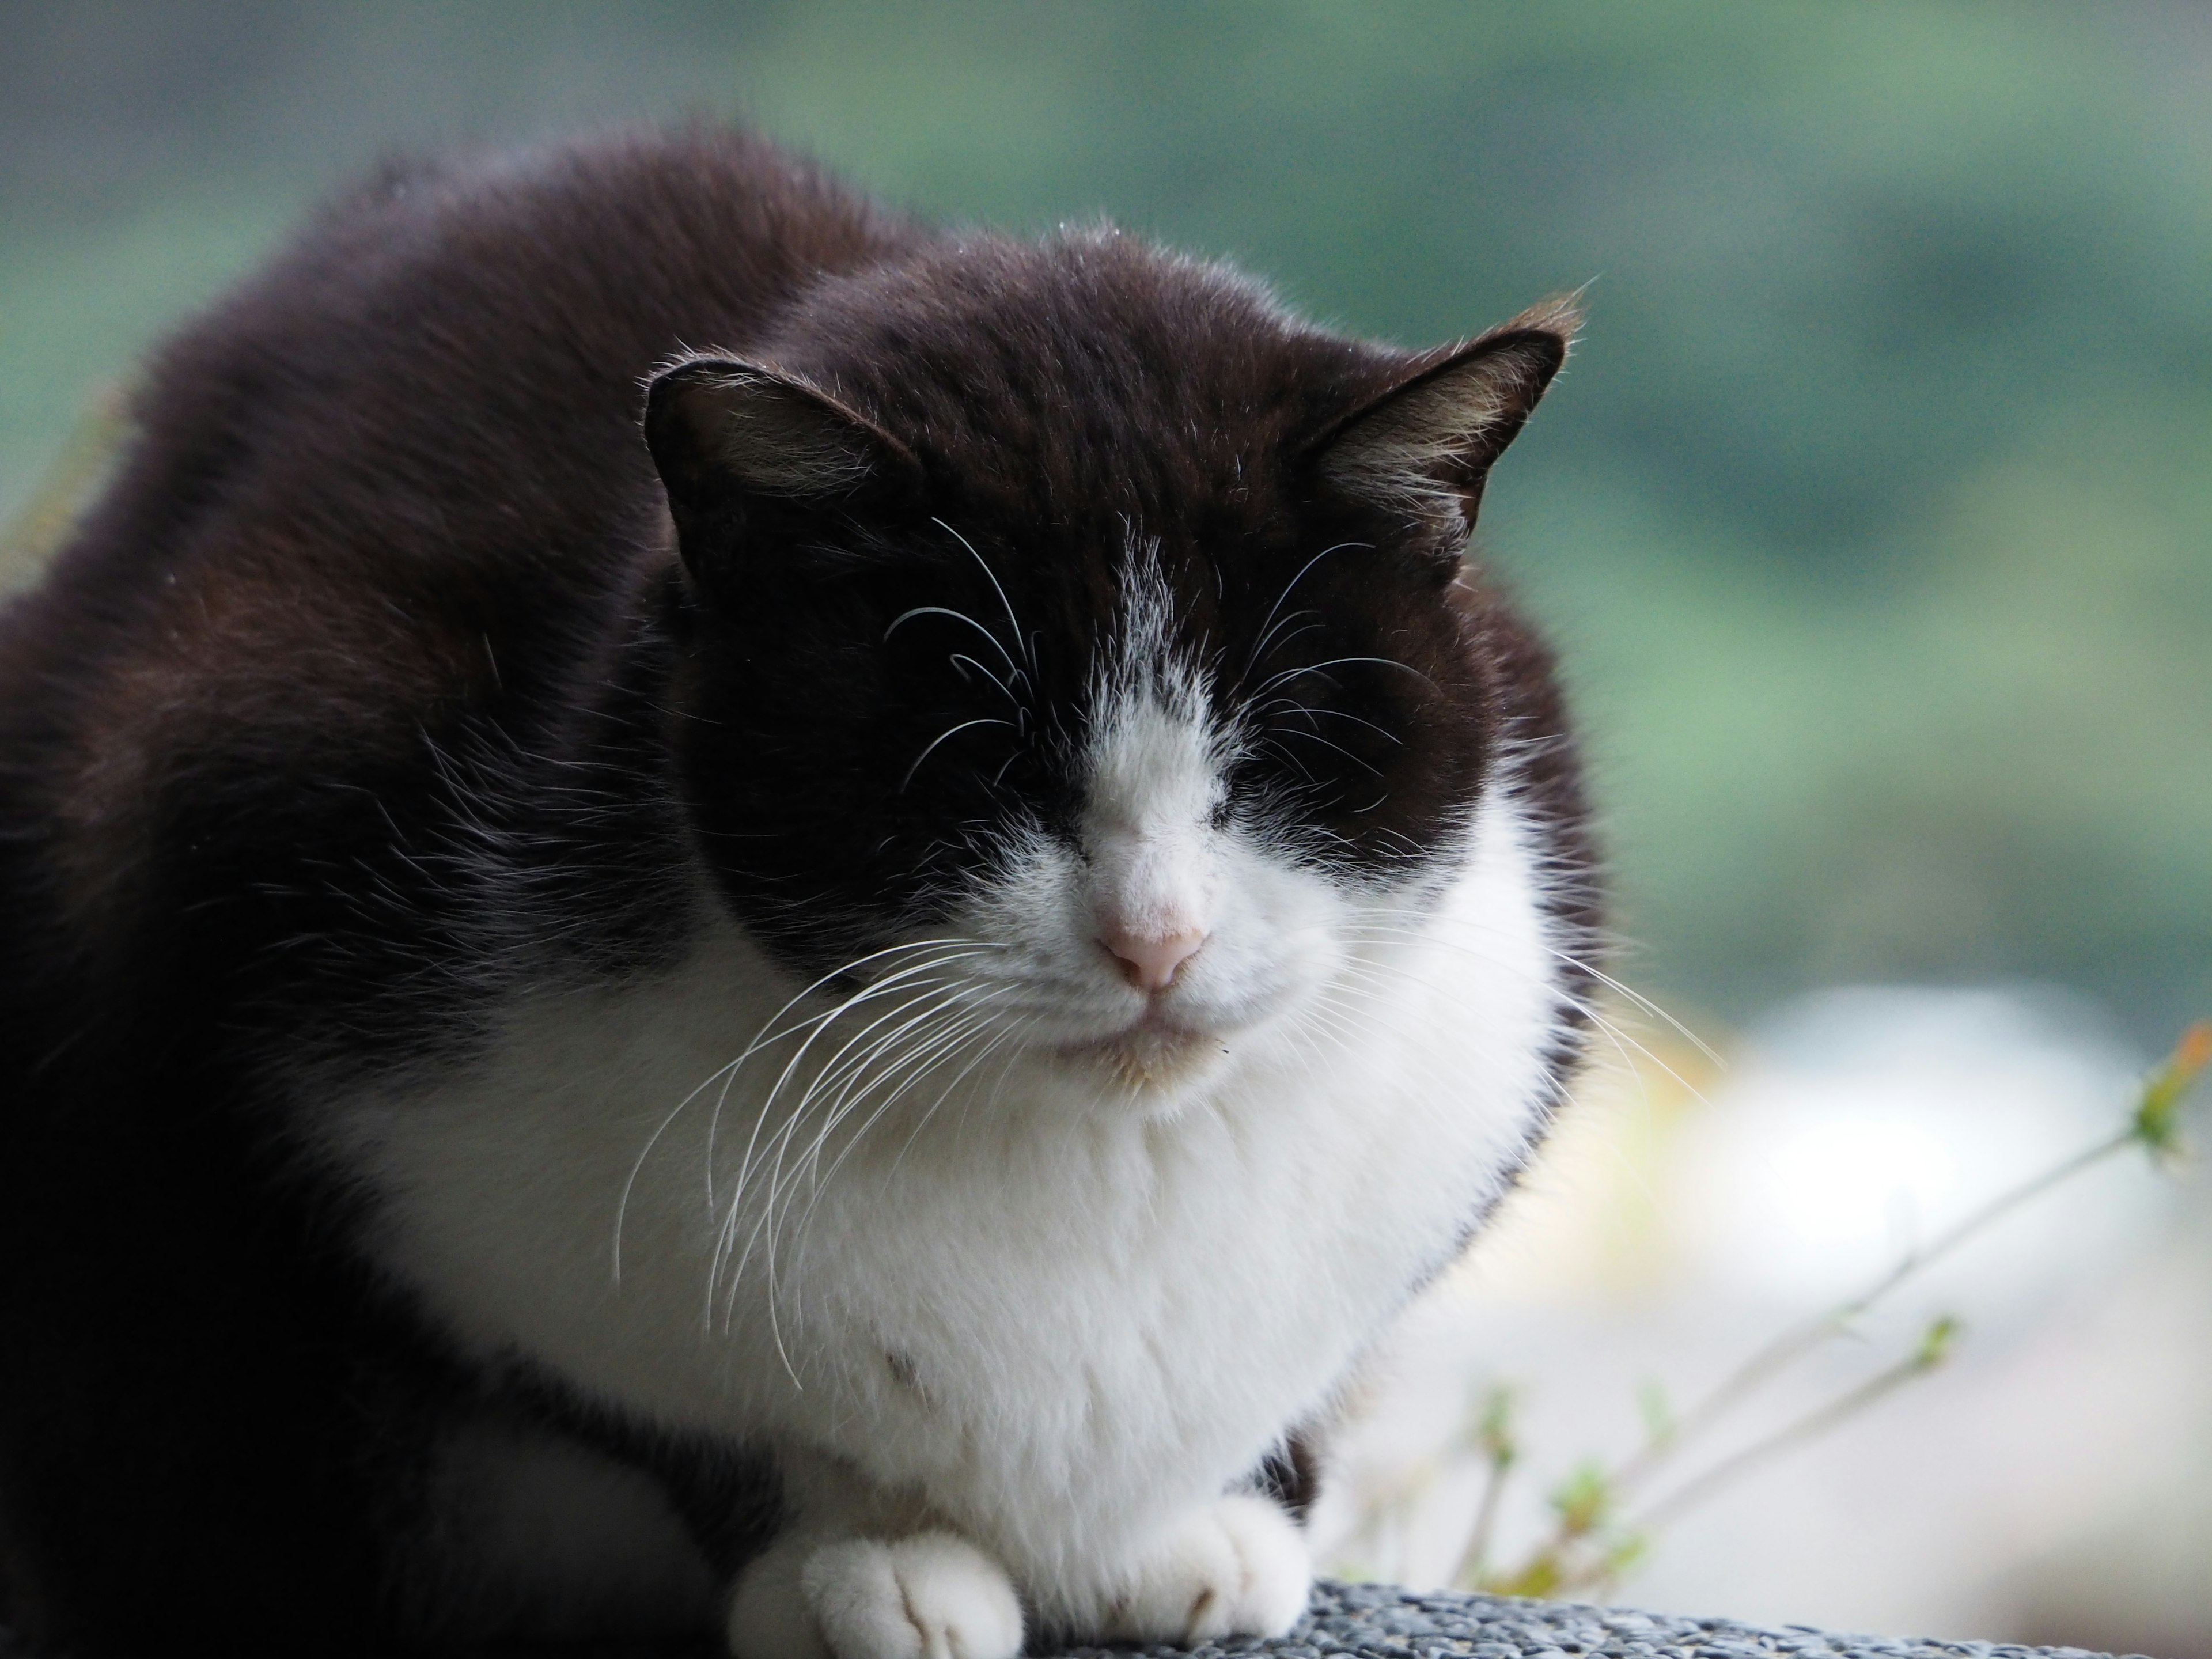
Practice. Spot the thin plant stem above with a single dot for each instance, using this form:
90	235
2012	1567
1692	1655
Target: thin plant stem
1785	1350
1501	1453
1474	1560
1934	1349
2151	1126
1585	1529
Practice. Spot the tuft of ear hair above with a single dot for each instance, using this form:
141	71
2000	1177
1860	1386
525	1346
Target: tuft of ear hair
1424	444
721	429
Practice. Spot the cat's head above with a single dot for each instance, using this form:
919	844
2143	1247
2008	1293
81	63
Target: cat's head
1069	626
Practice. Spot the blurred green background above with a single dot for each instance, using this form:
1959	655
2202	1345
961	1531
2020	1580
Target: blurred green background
1875	515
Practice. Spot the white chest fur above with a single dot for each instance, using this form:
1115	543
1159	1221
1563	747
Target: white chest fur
1049	1311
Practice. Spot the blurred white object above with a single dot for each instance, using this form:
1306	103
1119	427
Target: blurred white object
1678	1229
1860	1124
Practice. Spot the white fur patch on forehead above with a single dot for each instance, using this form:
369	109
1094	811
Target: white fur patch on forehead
1153	768
1153	756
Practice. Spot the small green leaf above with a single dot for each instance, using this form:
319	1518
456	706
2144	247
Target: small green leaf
1935	1343
1493	1431
2157	1114
1625	1551
1583	1500
1539	1575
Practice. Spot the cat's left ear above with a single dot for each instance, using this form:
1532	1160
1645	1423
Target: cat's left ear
740	445
1425	444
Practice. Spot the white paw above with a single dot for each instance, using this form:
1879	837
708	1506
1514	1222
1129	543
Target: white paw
1239	1567
931	1596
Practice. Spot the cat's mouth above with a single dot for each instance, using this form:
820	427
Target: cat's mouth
1153	1054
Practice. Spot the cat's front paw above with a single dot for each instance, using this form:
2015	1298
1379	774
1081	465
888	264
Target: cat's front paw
1239	1567
930	1596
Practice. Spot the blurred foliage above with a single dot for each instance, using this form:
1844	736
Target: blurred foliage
1604	1514
1875	516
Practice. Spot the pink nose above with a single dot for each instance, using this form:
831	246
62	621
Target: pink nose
1150	964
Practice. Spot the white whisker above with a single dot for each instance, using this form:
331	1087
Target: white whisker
1260	649
1012	622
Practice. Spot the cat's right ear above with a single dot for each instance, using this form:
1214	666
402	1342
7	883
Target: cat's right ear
1424	444
741	447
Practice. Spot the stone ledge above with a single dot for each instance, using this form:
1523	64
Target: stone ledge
1380	1621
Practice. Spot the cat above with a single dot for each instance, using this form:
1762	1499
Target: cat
721	913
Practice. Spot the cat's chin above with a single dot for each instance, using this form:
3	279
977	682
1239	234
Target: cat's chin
1154	1061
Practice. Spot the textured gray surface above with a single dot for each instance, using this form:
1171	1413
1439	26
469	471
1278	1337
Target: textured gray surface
1377	1621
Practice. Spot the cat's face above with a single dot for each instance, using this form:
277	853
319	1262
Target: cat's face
1096	655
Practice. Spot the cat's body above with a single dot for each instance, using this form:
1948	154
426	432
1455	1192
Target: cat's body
899	1056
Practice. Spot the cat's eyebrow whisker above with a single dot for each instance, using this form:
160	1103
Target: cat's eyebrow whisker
940	738
1012	621
1283	597
1273	681
999	645
1292	761
1288	707
1315	736
1295	633
959	657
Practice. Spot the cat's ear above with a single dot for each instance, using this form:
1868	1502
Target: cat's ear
737	442
1424	444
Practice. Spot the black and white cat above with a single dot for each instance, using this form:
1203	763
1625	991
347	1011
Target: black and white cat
835	1018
